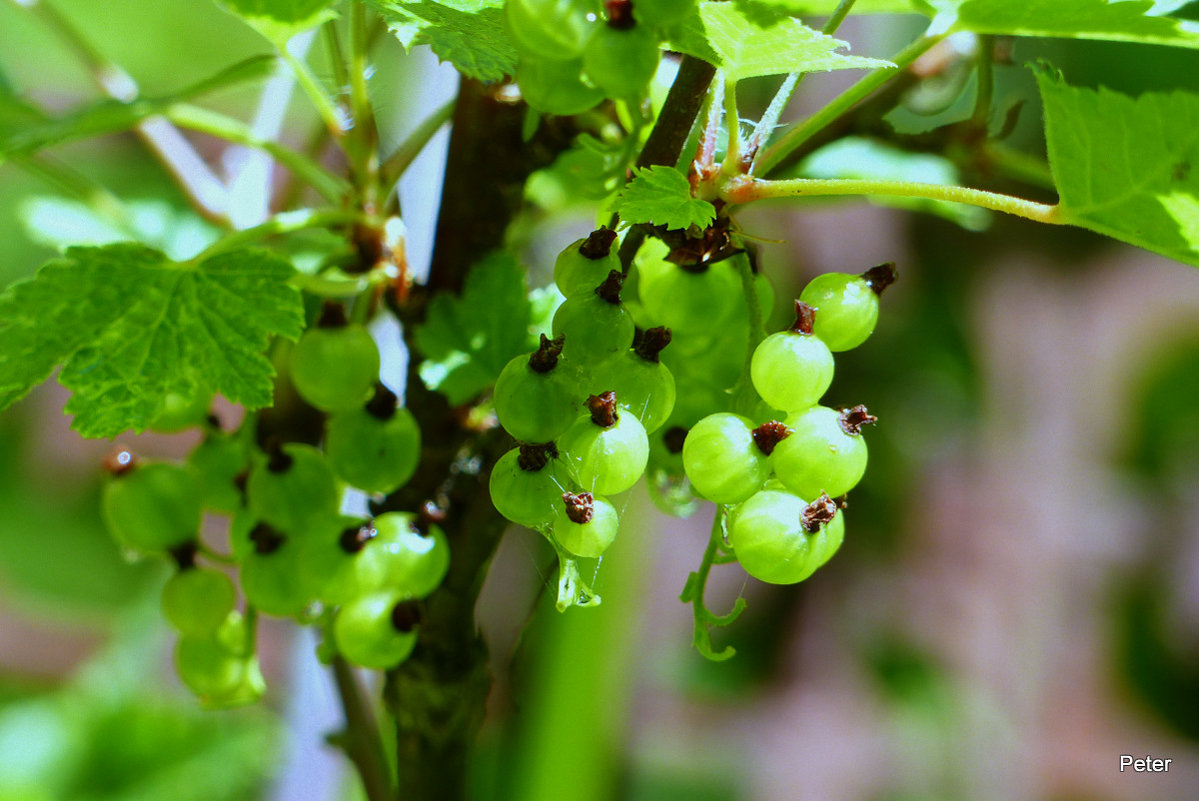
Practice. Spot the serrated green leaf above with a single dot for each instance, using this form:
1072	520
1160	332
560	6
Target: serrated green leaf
470	34
279	20
857	157
467	340
29	133
742	47
129	326
1126	167
1121	21
819	8
662	196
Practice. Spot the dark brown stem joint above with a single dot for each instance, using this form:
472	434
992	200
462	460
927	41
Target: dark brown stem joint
580	507
333	315
355	538
603	409
620	14
818	513
405	616
546	356
609	290
853	418
598	245
651	342
533	458
880	277
805	318
382	404
768	435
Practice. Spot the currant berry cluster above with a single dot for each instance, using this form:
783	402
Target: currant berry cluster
361	580
574	53
581	407
605	401
779	476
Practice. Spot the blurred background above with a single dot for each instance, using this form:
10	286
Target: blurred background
1016	604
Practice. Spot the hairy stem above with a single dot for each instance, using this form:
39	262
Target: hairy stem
744	190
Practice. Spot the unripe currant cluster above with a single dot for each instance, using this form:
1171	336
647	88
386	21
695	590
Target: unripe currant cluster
574	53
296	555
595	407
779	476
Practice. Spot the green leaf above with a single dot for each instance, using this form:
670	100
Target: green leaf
1126	167
470	34
110	116
1122	21
723	35
129	326
856	157
279	20
467	340
662	196
820	8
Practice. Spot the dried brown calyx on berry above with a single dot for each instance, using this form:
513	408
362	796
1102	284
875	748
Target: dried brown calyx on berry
770	434
650	343
603	409
805	317
545	358
598	244
354	538
580	506
880	277
533	458
853	418
818	513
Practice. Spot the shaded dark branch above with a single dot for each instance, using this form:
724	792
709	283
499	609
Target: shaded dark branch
665	143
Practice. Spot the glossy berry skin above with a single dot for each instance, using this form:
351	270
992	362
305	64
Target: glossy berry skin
555	30
293	497
819	456
532	406
528	498
402	560
621	62
555	87
605	460
595	329
688	301
153	507
770	542
327	558
576	274
196	601
335	369
589	539
791	371
642	387
846	309
372	454
721	459
221	668
366	635
275	582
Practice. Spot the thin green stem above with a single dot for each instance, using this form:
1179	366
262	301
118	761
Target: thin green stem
365	134
361	739
214	123
337	58
732	121
783	96
285	223
325	106
774	155
744	190
693	593
985	75
410	148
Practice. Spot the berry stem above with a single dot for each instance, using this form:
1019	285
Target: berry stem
360	739
693	593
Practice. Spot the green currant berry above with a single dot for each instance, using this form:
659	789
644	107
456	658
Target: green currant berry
780	539
596	326
825	452
664	13
527	484
152	507
293	488
217	462
555	87
585	525
534	397
554	30
377	630
605	451
621	61
375	448
196	601
726	457
335	368
792	369
643	384
585	263
846	305
401	559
